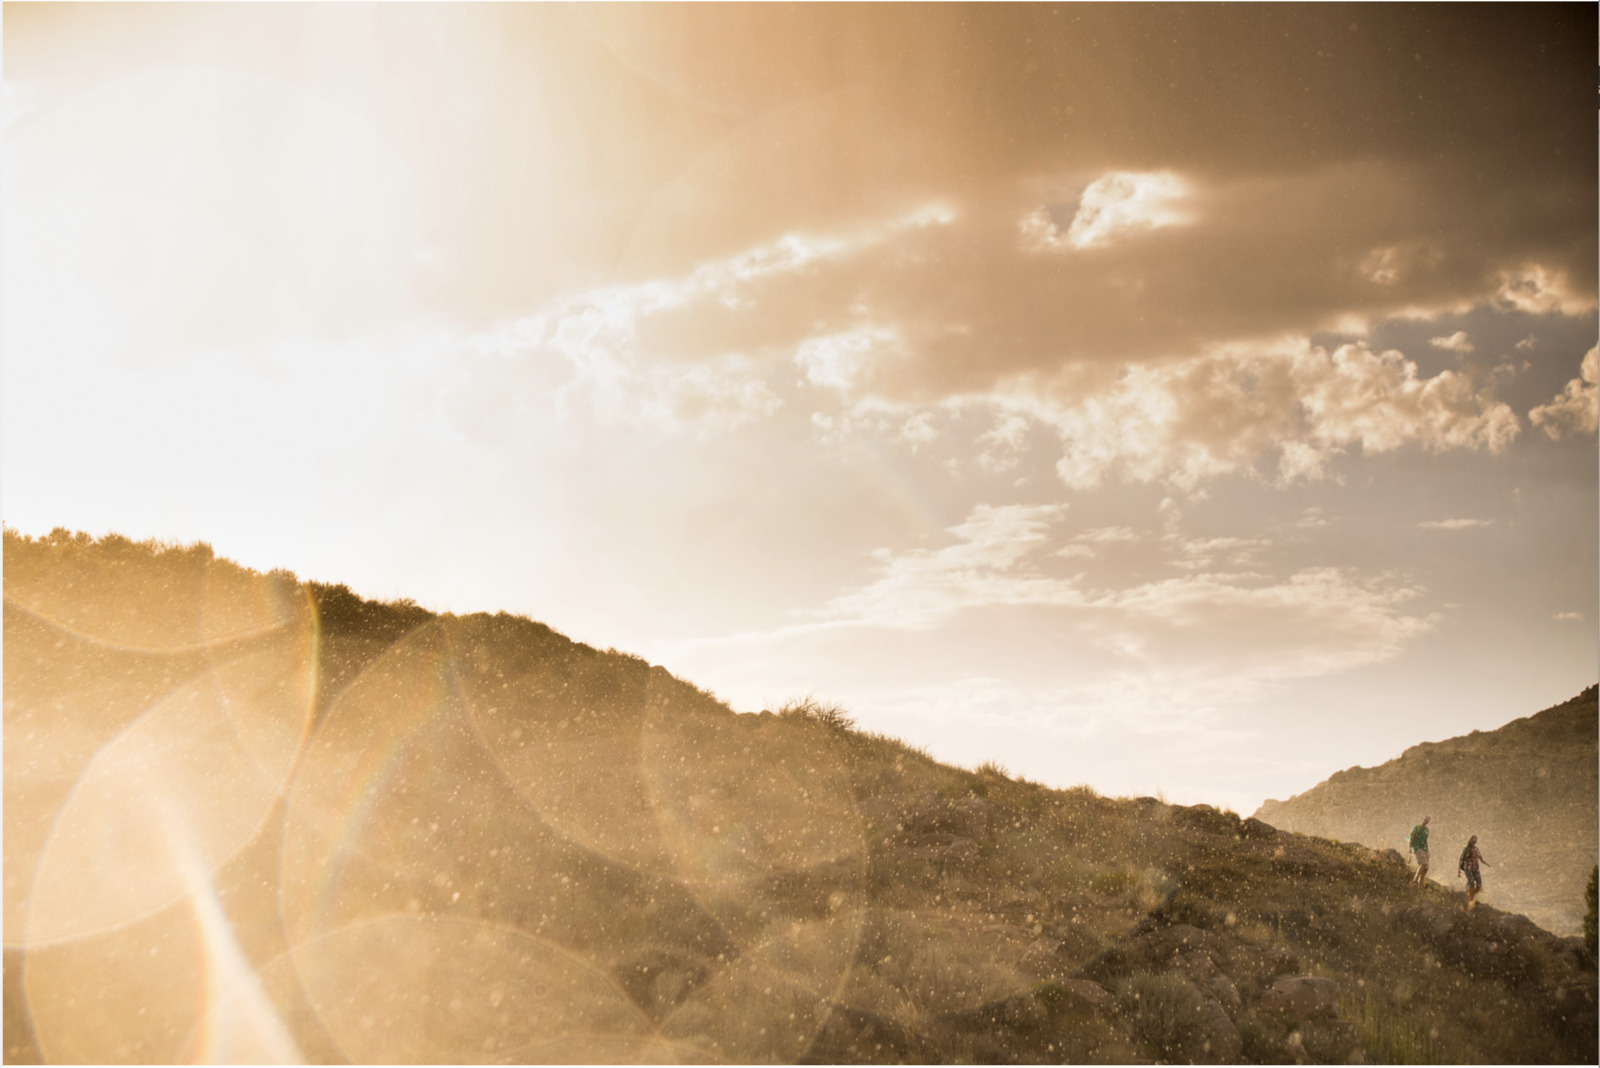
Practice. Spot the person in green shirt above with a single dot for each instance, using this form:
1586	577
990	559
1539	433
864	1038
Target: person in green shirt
1419	846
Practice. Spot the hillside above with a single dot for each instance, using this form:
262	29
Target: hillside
1527	790
254	819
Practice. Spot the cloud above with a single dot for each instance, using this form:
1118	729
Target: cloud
1188	421
1111	208
988	565
1456	342
1576	410
1568	617
1454	524
1180	646
1539	290
998	561
1314	621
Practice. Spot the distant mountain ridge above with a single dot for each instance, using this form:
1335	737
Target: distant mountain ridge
1527	790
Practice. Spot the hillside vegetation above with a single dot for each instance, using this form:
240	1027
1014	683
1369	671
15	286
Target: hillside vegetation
253	819
1528	791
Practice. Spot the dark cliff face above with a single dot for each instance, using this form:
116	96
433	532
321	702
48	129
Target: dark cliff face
253	819
1527	790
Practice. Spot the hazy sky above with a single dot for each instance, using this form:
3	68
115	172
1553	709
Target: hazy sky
1197	400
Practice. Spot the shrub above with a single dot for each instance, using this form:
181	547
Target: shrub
1590	916
1162	1010
823	714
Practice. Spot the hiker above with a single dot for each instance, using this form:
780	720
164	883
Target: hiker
1419	846
1468	866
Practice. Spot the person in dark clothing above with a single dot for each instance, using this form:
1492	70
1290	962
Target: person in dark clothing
1419	847
1471	857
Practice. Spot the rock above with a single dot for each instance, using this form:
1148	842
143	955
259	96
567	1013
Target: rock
659	978
966	817
1433	922
1254	828
1574	1005
963	853
880	815
1207	819
1393	858
1477	956
1004	818
1226	994
851	1036
1305	997
1150	950
1198	965
1161	945
1273	961
1042	957
1330	1041
1215	1035
1087	994
1020	1012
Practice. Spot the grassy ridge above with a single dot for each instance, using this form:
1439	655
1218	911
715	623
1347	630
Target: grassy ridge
490	843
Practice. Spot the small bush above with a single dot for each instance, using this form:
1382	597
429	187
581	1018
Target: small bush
824	714
1591	915
1162	1009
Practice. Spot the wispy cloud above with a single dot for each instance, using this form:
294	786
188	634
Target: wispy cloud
1454	524
988	565
1456	342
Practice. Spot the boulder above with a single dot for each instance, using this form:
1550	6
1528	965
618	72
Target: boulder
1216	1040
1305	997
1329	1041
963	854
1150	951
1254	828
1085	994
1433	922
964	817
1020	1012
1479	956
1221	988
879	815
1042	957
1164	943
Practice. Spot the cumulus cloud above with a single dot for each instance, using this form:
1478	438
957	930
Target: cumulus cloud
1540	290
959	307
1190	420
1111	208
1577	409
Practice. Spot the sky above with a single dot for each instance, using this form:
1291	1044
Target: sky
1184	401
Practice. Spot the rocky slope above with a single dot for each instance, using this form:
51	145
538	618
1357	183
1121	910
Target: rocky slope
253	819
1527	790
